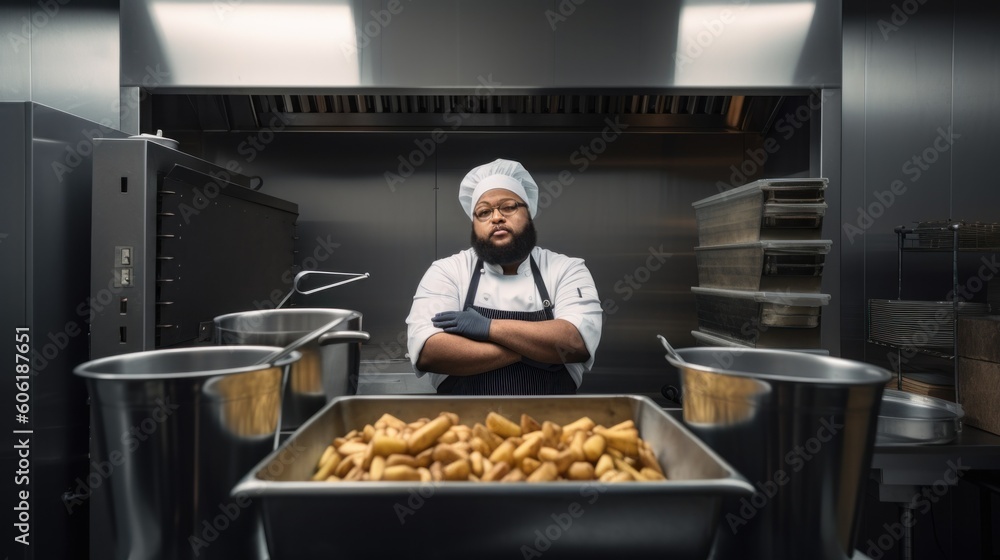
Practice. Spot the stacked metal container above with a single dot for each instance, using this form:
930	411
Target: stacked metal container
760	262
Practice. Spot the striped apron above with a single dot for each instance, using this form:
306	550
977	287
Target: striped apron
518	378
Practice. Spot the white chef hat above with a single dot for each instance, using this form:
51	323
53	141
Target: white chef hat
498	174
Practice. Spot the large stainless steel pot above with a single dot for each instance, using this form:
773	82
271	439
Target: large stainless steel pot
800	428
329	365
171	432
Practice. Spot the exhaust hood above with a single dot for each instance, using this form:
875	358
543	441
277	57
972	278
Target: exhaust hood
331	64
658	112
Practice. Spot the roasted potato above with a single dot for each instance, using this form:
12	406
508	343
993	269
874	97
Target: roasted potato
499	449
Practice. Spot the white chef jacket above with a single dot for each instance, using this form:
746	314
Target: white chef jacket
570	285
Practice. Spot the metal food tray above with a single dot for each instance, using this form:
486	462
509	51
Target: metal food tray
907	419
763	210
761	319
305	520
789	265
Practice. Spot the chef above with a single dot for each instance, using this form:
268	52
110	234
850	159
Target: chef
504	317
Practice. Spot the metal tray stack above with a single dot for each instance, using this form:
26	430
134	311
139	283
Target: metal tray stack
760	265
937	235
918	324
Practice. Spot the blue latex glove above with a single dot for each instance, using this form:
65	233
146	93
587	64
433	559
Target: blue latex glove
468	323
541	365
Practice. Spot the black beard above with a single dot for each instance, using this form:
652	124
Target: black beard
512	253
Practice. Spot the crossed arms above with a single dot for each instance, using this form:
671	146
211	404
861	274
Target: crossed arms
550	342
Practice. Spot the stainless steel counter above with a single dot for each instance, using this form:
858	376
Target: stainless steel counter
900	470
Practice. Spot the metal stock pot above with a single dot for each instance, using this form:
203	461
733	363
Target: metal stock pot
171	433
801	429
329	365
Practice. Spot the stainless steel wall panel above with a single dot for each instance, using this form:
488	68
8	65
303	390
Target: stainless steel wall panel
908	108
15	51
854	184
46	201
919	88
453	45
62	54
976	110
74	58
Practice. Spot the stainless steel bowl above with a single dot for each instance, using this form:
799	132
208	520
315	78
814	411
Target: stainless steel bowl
171	432
800	427
329	365
907	419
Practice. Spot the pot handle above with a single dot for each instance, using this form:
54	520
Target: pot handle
295	283
339	337
672	393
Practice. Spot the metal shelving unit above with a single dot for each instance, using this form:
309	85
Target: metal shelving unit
938	237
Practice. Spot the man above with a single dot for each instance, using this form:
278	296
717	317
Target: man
504	317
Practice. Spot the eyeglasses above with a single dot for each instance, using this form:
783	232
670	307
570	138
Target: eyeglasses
507	208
